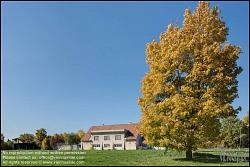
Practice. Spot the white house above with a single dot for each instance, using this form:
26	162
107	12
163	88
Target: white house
119	136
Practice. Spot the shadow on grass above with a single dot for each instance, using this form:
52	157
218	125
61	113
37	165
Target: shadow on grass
204	158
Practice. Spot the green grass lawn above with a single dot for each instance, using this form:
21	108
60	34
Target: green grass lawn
203	157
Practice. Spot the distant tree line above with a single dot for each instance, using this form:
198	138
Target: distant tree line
44	141
234	133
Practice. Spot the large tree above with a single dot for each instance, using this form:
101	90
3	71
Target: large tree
191	82
40	135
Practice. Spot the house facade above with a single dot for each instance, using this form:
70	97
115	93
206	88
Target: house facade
108	137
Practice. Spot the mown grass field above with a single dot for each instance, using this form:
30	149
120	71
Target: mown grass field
126	158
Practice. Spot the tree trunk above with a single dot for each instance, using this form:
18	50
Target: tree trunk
189	154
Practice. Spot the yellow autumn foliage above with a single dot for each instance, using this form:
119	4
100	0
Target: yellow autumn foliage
191	82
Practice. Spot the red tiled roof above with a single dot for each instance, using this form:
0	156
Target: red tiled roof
132	128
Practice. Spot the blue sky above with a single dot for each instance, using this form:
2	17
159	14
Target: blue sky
68	65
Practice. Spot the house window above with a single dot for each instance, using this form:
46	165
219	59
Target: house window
117	145
96	145
96	138
106	137
106	145
118	137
